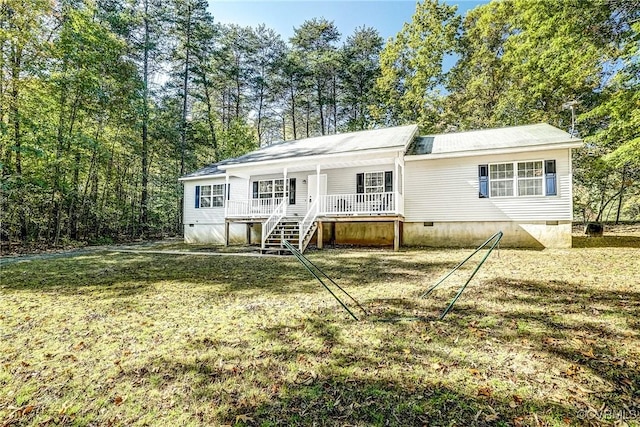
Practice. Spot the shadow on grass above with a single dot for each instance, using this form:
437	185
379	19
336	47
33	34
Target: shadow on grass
311	373
343	401
331	399
586	327
123	275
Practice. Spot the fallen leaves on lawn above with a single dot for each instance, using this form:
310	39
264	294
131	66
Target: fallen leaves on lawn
517	400
551	341
306	378
245	418
485	391
588	353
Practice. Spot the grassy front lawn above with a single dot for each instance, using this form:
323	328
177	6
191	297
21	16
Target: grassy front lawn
539	338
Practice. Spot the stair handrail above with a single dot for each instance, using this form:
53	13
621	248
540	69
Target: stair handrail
307	223
273	220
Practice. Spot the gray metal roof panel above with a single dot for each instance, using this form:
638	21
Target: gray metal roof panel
342	143
493	139
332	144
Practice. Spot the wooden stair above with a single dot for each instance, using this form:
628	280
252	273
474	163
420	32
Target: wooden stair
287	229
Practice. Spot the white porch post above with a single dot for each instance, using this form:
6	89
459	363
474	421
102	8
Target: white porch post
285	193
226	209
225	199
318	186
396	186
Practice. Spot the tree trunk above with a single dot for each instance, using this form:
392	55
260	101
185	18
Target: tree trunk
238	87
622	187
185	92
334	101
16	68
320	108
73	202
309	116
144	194
212	128
293	110
260	108
284	128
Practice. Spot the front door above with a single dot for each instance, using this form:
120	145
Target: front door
312	188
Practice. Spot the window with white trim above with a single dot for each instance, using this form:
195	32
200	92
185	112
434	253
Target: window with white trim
374	182
211	196
514	179
501	179
530	179
270	189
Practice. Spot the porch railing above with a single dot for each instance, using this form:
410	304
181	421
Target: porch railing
252	207
273	220
348	204
332	204
306	224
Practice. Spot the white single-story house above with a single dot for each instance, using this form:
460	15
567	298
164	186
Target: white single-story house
390	187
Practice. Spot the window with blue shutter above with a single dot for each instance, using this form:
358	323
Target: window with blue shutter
197	196
483	181
550	177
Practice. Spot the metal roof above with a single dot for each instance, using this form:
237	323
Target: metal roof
490	139
343	143
517	137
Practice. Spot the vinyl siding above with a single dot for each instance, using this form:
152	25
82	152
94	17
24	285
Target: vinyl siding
447	190
209	215
343	180
300	208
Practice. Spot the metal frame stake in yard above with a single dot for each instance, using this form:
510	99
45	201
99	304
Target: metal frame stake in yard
496	239
314	270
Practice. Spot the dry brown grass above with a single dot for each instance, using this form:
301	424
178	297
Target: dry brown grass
539	338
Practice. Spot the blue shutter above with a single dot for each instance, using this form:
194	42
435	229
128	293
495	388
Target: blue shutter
388	181
360	183
292	191
197	196
483	181
550	177
255	189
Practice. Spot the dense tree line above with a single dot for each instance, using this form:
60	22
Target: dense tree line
105	103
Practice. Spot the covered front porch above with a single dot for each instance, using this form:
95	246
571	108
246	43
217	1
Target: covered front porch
365	190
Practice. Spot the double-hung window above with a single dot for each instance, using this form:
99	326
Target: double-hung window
210	196
501	179
529	181
529	178
275	189
270	189
374	182
265	189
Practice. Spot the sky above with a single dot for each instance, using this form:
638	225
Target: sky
387	16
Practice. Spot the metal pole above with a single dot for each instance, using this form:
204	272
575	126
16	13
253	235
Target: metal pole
307	260
301	258
461	263
444	313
